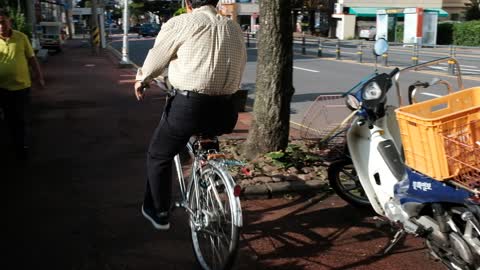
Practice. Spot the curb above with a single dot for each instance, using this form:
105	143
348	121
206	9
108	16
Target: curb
270	190
118	55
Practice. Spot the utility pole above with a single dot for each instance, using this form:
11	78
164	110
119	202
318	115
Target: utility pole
31	20
103	41
95	29
125	62
68	16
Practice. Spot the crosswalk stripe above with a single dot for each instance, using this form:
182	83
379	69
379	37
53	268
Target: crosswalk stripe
464	70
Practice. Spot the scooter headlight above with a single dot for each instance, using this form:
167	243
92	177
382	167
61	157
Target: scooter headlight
372	91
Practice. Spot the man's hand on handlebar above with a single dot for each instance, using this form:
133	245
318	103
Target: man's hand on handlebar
140	89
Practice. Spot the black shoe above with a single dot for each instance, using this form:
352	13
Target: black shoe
159	221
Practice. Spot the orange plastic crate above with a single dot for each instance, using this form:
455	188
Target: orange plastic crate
424	127
463	154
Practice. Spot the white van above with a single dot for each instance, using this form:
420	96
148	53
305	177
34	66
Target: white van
51	35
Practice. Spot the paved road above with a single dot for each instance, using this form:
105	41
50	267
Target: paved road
75	204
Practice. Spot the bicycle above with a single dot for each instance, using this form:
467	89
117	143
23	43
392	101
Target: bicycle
211	200
212	203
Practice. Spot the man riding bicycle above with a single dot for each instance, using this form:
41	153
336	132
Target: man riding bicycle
205	55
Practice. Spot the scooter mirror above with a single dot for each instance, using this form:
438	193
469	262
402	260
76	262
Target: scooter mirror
352	102
380	47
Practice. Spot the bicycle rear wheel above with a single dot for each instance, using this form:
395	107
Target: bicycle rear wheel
214	208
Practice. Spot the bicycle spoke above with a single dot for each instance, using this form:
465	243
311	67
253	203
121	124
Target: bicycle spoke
350	175
355	187
215	236
215	251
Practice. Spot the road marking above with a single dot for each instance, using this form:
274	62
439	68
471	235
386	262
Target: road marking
464	70
306	69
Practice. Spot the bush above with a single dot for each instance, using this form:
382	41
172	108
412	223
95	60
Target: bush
466	34
180	11
399	33
445	33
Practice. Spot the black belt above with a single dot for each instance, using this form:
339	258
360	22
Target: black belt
188	93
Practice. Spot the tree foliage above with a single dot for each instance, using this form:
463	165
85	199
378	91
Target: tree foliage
162	7
180	11
467	33
311	6
473	10
157	7
137	8
274	89
84	3
17	14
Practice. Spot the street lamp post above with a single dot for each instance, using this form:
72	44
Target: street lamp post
125	61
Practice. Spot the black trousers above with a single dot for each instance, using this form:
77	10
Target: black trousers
16	109
183	117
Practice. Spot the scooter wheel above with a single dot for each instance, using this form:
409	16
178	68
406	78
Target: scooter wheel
343	179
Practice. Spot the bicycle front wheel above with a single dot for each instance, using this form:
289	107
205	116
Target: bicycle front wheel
215	210
343	179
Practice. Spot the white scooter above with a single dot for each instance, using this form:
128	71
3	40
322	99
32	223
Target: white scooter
444	214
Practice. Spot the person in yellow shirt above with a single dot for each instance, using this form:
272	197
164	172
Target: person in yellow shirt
16	59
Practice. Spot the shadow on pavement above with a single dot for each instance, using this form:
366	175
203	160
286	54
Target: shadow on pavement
314	232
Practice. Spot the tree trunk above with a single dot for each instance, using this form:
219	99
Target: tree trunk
332	22
311	20
274	89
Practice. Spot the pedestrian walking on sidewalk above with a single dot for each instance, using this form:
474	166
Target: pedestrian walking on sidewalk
205	55
16	57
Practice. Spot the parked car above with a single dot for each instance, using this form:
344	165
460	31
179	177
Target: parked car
112	26
149	29
369	33
134	28
51	35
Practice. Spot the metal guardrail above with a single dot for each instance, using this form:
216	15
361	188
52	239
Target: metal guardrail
407	52
414	52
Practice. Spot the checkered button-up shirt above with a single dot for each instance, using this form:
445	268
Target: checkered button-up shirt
204	52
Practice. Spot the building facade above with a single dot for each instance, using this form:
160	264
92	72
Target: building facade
354	15
455	8
392	3
245	12
450	9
